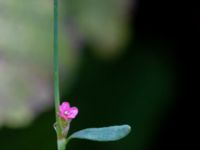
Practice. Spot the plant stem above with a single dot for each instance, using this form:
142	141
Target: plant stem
60	138
56	58
62	144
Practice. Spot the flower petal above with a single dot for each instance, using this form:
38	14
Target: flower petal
72	112
64	106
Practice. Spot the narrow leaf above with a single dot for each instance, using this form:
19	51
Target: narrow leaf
104	134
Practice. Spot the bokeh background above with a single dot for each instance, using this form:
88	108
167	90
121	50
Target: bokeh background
119	63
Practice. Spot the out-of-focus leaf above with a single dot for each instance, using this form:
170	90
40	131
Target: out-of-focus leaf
103	23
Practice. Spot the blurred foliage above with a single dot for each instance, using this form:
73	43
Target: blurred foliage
25	88
102	23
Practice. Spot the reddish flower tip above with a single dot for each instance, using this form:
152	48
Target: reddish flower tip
66	112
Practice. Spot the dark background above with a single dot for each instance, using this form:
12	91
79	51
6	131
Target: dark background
143	88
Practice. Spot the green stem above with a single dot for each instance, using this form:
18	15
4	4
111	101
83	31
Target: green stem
62	144
56	58
60	138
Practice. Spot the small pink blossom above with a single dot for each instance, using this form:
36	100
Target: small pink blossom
66	112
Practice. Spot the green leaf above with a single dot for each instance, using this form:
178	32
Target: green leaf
104	134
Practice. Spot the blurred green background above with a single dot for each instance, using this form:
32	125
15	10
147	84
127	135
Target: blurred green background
118	65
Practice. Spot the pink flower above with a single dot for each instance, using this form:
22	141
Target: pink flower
66	112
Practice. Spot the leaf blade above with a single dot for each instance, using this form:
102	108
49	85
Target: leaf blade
104	134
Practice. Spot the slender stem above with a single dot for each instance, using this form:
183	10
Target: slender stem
60	138
56	58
